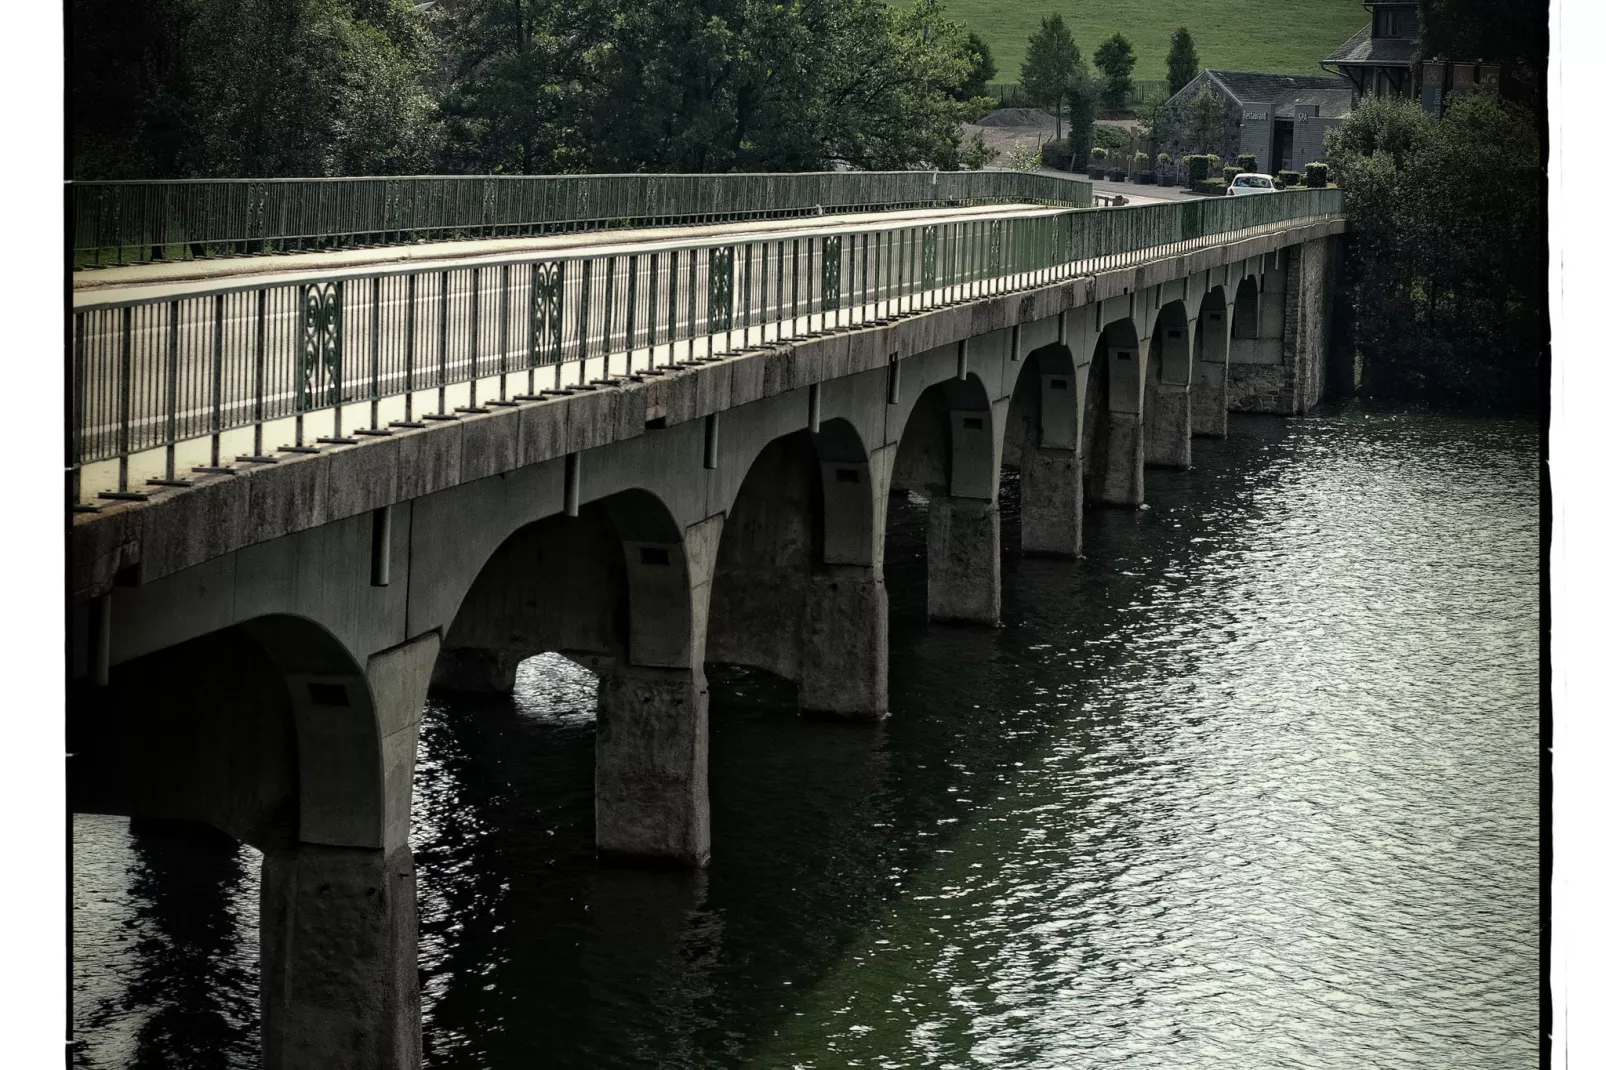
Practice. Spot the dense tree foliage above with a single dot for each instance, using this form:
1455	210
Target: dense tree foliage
1182	62
983	68
168	88
1115	59
1513	33
1448	258
1053	74
1206	120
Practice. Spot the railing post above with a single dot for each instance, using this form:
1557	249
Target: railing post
217	380
125	398
172	387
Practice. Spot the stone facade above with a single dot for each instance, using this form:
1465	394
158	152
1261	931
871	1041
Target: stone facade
1284	370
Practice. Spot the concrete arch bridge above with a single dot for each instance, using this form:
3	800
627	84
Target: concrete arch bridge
309	488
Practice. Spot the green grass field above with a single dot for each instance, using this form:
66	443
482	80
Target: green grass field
1275	36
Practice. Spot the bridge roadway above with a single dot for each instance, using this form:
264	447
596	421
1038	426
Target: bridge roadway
252	651
209	360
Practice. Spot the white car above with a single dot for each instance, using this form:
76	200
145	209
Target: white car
1249	182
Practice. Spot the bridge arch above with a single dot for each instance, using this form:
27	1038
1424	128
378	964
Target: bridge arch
1042	431
797	588
270	731
612	589
1112	418
1246	307
1167	425
947	453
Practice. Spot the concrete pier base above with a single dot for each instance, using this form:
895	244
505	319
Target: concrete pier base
1115	471
339	959
652	765
1167	431
475	671
843	663
962	563
1051	502
1209	409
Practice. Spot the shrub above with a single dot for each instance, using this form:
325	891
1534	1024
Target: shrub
1246	162
1214	187
1058	154
1315	175
1110	137
1024	157
1164	159
1141	159
1100	153
1197	169
1290	178
1229	173
1215	163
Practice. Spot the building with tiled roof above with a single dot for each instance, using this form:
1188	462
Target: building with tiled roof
1280	118
1377	60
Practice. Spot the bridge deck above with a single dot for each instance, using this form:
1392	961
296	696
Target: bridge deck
176	374
181	278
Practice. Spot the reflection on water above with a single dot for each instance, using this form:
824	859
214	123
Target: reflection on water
1253	785
164	947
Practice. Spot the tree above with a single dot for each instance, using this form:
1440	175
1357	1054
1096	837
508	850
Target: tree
1447	277
1207	119
185	88
1182	62
1082	113
1157	124
230	88
1115	58
982	68
1513	33
1053	72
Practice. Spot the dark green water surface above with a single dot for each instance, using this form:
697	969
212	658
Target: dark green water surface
1254	785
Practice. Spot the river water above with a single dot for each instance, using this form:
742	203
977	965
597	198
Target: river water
1253	785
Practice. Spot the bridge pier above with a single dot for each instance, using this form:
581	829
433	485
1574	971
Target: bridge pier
1112	425
652	765
962	560
844	647
1050	502
1209	407
1168	428
1167	418
339	959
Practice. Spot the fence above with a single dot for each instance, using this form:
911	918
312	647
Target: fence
123	222
161	386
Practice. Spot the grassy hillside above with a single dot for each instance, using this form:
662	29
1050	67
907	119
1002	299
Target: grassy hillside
1279	36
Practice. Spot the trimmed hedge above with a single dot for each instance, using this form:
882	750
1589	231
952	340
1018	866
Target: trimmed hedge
1315	175
1246	162
1058	154
1229	173
1214	187
1290	178
1195	169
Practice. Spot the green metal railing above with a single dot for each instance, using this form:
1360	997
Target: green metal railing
135	222
200	379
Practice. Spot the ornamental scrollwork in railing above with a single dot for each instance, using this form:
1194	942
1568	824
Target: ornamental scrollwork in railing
546	313
320	344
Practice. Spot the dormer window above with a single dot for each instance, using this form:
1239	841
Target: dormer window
1394	22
